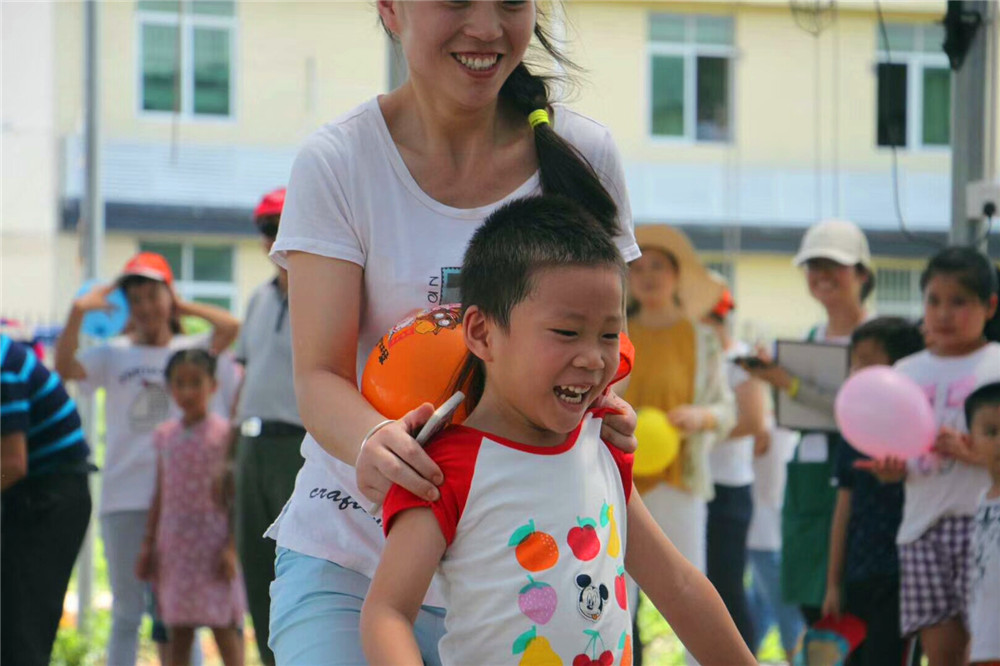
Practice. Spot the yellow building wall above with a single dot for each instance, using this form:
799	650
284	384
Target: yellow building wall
774	84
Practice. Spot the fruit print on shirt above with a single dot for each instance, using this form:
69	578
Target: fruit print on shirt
583	539
590	655
535	551
537	601
535	649
614	540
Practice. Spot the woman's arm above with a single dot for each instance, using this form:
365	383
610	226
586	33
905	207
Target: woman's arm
838	549
146	566
325	310
13	458
750	410
413	549
225	327
681	593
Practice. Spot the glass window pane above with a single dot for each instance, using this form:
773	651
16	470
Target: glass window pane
213	7
160	68
713	99
713	30
901	37
211	71
159	6
668	95
213	264
666	28
933	38
937	106
891	104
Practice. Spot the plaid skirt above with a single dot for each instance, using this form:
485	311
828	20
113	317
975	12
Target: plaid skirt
934	575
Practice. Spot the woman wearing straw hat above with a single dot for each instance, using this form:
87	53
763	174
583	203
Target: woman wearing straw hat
839	275
681	371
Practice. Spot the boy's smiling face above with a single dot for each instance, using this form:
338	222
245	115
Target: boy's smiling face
985	434
558	354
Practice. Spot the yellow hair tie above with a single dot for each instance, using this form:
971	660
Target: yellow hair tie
537	117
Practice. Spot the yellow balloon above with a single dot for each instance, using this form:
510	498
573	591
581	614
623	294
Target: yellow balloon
659	442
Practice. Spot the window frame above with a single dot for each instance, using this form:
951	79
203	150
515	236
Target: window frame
916	61
187	287
187	26
690	50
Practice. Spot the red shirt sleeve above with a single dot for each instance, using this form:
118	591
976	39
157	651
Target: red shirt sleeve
455	451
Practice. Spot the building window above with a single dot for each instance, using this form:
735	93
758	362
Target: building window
202	273
690	70
186	57
897	292
914	90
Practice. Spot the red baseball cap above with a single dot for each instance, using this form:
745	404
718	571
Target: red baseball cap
271	204
725	305
149	265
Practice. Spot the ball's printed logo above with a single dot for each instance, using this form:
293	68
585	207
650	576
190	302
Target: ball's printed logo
431	321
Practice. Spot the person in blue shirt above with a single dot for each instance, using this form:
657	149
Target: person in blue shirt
44	502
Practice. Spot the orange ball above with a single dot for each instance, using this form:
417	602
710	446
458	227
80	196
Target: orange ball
416	362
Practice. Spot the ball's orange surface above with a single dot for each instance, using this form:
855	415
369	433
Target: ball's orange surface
416	362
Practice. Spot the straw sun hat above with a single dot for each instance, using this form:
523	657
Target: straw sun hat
697	288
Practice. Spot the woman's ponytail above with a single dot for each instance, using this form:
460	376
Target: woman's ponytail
562	168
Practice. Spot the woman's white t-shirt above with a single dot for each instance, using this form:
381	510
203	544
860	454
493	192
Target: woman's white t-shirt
731	461
136	402
937	487
351	197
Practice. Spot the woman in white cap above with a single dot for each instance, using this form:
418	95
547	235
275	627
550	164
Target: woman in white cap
681	371
839	275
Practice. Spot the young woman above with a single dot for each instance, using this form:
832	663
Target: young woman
380	207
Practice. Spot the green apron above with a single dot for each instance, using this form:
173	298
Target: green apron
805	529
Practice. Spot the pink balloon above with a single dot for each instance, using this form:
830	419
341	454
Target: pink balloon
882	412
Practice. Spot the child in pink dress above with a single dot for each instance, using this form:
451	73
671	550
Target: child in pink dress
189	553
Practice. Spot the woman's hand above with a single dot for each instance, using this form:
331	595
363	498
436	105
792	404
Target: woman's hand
227	563
618	429
768	371
887	470
690	419
761	443
96	298
391	456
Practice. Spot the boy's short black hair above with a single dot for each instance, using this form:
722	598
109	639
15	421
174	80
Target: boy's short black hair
987	395
196	356
523	237
898	336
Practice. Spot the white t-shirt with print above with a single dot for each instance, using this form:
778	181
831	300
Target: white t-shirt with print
536	545
938	487
731	461
351	197
984	583
136	402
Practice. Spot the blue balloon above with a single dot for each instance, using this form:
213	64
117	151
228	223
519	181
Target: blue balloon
105	323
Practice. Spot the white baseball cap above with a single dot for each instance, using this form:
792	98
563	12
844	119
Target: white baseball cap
839	240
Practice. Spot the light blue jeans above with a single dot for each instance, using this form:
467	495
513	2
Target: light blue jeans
316	614
764	600
123	532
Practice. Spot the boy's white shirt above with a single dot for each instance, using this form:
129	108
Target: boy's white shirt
137	400
351	197
984	583
492	488
938	487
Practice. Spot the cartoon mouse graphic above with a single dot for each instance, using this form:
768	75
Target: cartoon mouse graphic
592	598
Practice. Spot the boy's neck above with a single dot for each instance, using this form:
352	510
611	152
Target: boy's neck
495	416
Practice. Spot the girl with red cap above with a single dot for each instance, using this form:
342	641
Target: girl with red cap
130	369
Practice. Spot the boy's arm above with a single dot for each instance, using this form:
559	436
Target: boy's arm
413	549
681	593
838	548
